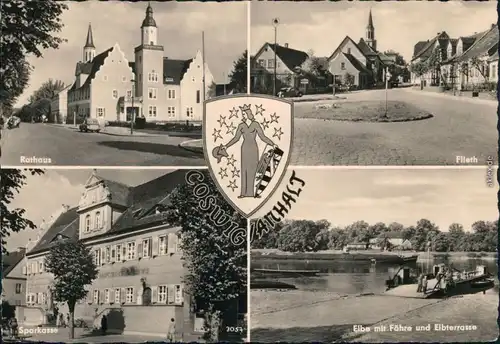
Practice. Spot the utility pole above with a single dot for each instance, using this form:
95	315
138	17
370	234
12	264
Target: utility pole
203	63
276	22
133	109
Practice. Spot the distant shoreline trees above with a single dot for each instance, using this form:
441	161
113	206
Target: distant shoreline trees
312	236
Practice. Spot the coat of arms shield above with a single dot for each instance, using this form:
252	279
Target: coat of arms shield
247	141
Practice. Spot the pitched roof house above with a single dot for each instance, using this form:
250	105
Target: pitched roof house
13	279
362	60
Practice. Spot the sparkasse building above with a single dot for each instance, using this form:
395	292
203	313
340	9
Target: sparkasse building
140	282
108	87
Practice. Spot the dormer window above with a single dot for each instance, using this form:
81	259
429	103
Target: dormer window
87	223
98	224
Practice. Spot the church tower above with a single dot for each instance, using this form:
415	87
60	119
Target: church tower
89	48
370	33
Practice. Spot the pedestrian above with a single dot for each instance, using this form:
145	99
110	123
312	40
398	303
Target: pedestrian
171	331
104	325
424	285
67	319
13	327
419	283
61	320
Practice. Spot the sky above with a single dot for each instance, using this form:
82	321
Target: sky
321	26
344	196
44	195
180	27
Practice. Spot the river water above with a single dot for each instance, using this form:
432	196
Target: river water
359	277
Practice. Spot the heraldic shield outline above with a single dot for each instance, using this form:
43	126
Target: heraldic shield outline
247	142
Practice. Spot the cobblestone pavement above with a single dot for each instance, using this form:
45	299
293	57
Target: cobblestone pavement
460	127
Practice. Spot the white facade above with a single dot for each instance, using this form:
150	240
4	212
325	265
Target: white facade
59	106
109	94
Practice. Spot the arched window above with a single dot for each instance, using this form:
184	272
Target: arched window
98	223
87	223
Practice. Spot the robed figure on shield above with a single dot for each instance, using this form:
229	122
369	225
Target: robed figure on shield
249	129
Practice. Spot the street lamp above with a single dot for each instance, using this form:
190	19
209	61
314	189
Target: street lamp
133	108
276	22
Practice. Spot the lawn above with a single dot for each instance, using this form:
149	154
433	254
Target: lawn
364	111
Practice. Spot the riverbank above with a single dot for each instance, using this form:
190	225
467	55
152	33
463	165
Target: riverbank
337	254
303	316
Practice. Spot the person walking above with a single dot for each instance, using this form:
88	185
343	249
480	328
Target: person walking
424	285
14	327
171	331
104	324
419	283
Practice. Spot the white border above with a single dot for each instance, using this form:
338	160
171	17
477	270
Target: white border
249	84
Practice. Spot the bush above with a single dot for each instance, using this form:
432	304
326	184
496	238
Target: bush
183	126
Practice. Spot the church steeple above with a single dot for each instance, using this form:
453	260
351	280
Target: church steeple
89	48
149	28
370	32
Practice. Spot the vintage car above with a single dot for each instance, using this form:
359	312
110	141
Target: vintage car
90	125
289	92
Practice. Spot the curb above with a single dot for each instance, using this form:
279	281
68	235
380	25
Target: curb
198	150
450	96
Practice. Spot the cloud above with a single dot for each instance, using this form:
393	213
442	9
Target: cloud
321	26
179	30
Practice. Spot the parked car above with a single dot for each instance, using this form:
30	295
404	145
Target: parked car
289	92
90	125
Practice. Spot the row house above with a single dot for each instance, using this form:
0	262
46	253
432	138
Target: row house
461	63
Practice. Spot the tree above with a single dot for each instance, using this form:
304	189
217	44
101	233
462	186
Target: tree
48	90
419	68
12	83
13	220
348	80
8	311
399	59
314	65
434	64
481	66
73	268
238	77
299	236
28	27
212	90
216	266
456	235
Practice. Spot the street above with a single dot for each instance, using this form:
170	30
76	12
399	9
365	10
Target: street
67	146
460	127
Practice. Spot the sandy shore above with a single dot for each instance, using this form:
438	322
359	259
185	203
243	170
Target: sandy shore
302	316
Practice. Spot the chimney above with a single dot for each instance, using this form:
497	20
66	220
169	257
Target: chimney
286	45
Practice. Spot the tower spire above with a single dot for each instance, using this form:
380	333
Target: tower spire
370	20
149	20
90	39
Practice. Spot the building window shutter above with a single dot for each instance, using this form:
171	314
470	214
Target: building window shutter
175	242
170	294
28	295
179	294
134	298
35	267
101	297
139	250
154	294
170	243
103	256
111	296
123	296
113	253
155	246
124	252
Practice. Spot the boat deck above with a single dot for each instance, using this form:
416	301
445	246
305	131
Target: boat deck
410	290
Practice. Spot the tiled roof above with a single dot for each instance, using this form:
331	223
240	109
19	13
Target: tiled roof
419	46
91	68
358	65
175	69
83	67
482	45
292	58
365	48
66	225
427	49
9	261
140	202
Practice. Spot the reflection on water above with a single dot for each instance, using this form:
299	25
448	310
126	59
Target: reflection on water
357	277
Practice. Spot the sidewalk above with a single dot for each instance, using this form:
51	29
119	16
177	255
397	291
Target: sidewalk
467	97
86	336
113	131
